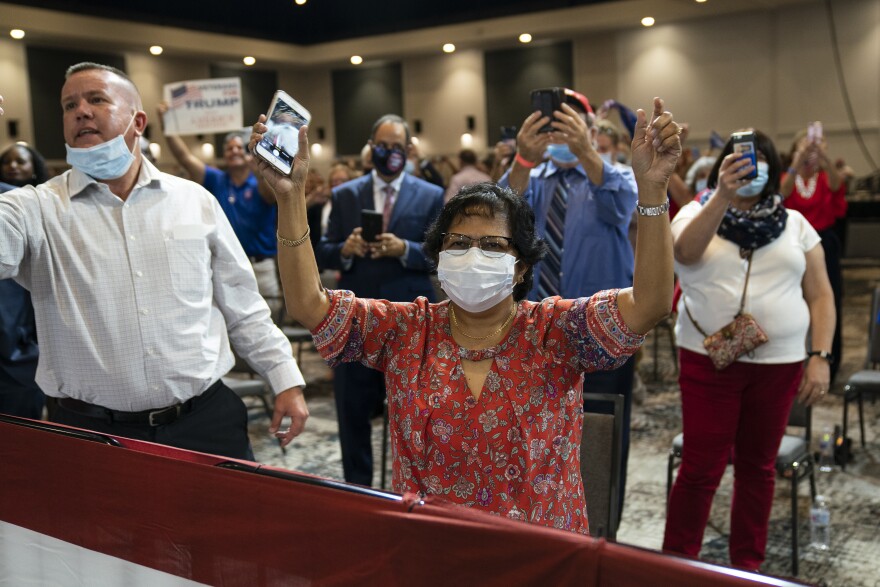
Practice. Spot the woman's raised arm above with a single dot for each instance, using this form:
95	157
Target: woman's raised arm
655	150
304	295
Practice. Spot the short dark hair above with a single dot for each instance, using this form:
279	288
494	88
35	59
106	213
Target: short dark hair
488	200
467	157
774	164
41	172
393	118
88	65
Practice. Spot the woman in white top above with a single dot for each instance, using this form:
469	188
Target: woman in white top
742	409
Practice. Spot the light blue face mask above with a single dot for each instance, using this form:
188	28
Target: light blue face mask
561	153
700	185
753	189
607	158
109	160
409	167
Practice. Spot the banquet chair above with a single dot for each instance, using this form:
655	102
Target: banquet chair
794	461
601	446
864	383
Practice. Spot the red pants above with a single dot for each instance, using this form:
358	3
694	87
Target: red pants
739	415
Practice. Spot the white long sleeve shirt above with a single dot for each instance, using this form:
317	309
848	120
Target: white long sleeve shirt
136	301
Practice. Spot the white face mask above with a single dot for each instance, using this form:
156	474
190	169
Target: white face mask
606	157
474	281
109	160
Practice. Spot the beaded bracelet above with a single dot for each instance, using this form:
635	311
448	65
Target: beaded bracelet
289	243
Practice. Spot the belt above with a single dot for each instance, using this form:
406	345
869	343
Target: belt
158	417
260	258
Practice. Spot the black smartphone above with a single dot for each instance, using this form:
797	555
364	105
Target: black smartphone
547	100
744	145
371	225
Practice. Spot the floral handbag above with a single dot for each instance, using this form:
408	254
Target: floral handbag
735	339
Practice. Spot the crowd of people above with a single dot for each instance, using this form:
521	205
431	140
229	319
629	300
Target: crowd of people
490	299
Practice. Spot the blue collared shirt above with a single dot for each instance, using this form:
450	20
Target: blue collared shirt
596	253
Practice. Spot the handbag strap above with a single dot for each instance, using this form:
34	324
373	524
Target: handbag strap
742	302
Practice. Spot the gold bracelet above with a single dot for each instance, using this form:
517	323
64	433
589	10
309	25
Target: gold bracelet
289	243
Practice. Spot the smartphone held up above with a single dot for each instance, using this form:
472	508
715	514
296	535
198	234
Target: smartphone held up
547	101
280	143
814	132
744	146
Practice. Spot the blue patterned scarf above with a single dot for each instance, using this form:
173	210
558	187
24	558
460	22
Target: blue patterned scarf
753	228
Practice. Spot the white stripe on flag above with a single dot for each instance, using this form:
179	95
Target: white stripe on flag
31	558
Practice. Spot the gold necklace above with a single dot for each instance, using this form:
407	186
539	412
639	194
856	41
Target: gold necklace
502	327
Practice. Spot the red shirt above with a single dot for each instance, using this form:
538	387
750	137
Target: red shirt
823	207
513	452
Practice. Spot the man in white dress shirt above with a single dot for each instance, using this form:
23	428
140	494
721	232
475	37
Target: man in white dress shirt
139	285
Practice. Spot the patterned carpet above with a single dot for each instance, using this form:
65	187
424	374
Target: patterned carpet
854	495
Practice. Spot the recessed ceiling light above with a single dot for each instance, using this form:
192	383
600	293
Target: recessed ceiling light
300	2
249	60
16	34
700	1
525	38
156	50
448	48
648	21
356	59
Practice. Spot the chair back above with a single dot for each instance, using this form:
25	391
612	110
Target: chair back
601	446
874	331
802	416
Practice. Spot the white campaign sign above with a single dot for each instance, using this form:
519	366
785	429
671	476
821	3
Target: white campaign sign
203	106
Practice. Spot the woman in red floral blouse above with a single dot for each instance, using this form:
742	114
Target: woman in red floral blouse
484	390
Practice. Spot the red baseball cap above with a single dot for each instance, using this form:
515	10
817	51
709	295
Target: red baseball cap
579	100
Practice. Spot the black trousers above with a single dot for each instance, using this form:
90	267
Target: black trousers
359	394
618	381
217	424
832	247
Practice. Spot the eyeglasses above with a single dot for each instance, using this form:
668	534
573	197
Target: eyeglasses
491	246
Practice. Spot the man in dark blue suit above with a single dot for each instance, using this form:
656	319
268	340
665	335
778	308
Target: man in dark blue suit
19	393
392	267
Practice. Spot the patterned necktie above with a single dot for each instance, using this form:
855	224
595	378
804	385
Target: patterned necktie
389	206
550	278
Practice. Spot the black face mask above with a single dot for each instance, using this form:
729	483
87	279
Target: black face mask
387	161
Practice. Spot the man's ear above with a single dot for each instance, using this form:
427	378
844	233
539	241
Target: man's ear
140	122
411	150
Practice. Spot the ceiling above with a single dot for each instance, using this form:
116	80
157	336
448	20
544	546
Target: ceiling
318	21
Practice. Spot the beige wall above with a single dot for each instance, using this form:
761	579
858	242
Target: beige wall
15	91
442	92
772	69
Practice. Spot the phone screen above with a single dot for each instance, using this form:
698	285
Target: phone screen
744	145
371	225
281	141
547	101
